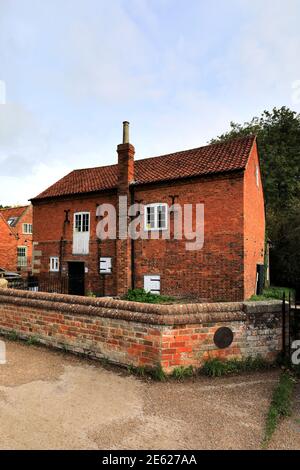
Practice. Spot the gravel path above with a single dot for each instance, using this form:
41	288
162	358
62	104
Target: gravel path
50	400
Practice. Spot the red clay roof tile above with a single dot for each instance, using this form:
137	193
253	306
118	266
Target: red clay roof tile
215	158
15	212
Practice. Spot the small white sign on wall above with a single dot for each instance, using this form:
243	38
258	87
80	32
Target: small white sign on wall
105	265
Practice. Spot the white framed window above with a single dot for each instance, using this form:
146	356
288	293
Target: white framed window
152	284
22	256
54	264
156	216
105	265
82	222
27	229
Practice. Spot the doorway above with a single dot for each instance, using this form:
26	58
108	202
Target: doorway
76	278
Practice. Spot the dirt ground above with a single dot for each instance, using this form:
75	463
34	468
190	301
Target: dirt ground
50	400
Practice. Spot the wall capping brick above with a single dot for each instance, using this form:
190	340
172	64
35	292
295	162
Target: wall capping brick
130	333
174	314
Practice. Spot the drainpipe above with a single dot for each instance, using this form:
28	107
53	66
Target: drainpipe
62	244
132	253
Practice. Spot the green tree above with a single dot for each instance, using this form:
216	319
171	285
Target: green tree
278	139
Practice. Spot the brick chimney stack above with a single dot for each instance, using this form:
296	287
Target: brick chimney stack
126	153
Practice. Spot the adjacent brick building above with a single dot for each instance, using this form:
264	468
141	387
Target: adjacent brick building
16	239
224	178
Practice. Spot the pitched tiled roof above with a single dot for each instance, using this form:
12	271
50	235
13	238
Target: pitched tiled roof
216	158
13	212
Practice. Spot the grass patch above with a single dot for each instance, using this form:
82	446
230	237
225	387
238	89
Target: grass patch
181	373
216	367
156	373
13	336
32	341
140	295
274	293
280	405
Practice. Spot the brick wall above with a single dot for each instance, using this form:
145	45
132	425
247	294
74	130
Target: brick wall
50	228
254	223
25	239
216	272
8	247
11	239
128	333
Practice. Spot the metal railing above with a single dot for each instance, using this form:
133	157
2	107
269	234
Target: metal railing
58	285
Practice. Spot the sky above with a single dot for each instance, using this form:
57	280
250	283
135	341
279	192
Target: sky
179	70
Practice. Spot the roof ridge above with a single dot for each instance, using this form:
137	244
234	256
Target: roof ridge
13	207
215	158
226	142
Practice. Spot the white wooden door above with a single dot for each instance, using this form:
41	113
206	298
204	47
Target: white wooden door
81	233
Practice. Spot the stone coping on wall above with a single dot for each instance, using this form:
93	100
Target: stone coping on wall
156	314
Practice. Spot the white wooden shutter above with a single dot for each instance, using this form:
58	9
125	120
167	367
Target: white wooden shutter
105	265
152	284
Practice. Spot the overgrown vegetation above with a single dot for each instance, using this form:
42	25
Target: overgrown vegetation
216	367
212	368
180	373
140	295
13	335
280	406
91	294
32	341
278	137
274	293
157	373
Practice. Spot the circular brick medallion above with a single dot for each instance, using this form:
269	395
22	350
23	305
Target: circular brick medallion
223	337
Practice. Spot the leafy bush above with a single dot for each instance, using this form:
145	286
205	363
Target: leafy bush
140	295
90	294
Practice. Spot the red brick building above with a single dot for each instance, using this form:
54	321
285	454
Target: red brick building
224	178
16	239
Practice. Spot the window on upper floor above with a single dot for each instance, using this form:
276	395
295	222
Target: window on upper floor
27	229
82	222
156	216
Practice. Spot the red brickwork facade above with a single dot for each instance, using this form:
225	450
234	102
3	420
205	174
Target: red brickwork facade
254	222
223	270
12	237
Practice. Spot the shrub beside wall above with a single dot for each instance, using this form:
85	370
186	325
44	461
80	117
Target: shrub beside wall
129	333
